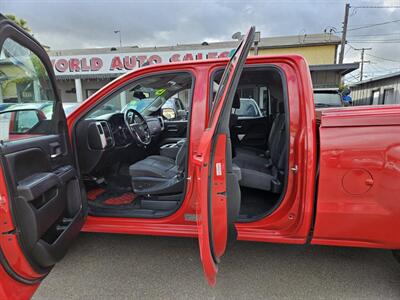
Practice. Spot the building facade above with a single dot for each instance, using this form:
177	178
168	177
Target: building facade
379	90
81	72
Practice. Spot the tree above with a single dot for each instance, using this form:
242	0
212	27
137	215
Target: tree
20	22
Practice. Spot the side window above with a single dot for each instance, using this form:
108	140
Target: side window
25	120
375	97
25	93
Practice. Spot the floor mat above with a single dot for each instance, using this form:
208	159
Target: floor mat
126	198
94	193
256	202
111	195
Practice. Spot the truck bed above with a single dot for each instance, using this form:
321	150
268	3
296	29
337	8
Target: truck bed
358	202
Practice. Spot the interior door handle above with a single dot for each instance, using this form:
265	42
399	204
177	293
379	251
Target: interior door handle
55	150
54	155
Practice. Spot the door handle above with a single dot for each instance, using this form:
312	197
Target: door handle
55	150
55	155
172	129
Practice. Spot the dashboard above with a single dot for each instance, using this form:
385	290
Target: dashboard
104	140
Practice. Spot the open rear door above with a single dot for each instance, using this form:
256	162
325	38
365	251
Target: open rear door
217	184
41	196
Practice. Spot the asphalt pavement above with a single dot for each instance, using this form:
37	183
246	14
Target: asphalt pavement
105	266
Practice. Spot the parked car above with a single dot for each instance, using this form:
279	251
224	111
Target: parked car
248	109
326	181
4	106
69	107
327	97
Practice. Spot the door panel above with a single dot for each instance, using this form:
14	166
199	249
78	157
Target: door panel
42	200
217	186
46	192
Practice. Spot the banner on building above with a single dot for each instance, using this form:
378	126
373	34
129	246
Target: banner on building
123	62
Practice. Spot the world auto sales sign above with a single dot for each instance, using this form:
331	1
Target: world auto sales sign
123	62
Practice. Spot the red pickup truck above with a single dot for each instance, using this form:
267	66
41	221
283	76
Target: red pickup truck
287	176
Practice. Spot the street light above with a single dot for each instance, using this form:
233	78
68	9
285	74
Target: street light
120	40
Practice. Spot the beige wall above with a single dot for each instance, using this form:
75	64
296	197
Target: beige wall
315	55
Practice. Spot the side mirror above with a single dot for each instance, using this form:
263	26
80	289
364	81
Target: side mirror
168	113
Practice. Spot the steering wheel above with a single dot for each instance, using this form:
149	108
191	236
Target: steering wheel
137	126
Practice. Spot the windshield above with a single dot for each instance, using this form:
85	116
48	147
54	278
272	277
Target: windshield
146	96
322	99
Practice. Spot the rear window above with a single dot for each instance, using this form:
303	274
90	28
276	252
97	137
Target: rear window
323	99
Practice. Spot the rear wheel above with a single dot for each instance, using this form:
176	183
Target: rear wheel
396	254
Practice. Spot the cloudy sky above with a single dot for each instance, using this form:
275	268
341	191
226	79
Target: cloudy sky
68	24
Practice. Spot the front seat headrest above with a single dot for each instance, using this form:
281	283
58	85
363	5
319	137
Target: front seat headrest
236	101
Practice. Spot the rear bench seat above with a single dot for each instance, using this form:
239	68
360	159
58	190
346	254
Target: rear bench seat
265	170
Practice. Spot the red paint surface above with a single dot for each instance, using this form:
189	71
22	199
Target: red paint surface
218	198
358	197
13	290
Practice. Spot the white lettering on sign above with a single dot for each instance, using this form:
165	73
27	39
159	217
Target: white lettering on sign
122	62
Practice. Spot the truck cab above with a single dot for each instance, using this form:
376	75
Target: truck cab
121	163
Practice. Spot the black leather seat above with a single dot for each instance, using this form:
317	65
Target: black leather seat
159	175
265	169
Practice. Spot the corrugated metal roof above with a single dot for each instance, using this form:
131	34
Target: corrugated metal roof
343	68
268	42
386	76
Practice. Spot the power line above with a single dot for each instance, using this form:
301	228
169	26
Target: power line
373	25
380	40
375	34
378	6
375	42
382	58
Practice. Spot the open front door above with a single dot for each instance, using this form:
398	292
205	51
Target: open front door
41	209
217	181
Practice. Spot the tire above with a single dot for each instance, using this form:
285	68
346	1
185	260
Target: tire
396	254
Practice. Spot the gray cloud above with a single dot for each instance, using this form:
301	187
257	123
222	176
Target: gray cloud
87	24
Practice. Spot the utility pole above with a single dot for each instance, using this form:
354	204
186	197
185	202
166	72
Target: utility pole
344	33
120	39
362	60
